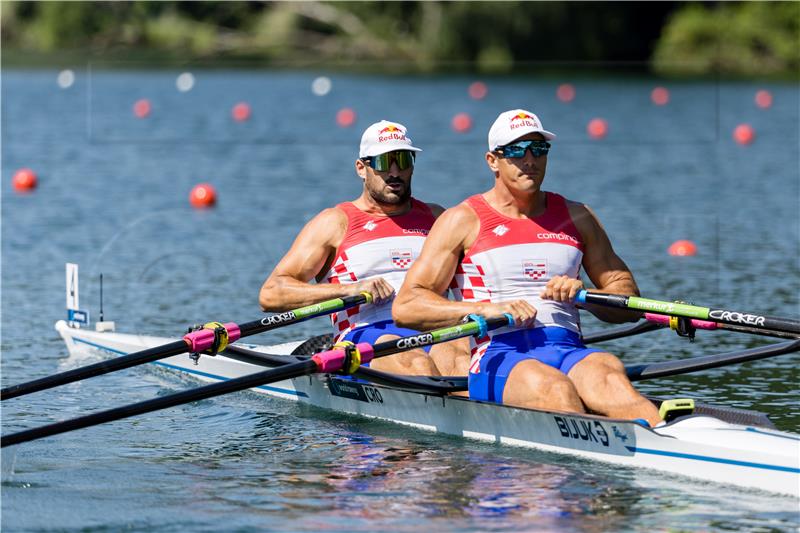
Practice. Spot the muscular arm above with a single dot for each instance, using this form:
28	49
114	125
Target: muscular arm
288	286
420	304
605	268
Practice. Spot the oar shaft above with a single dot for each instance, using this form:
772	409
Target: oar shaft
723	316
303	313
96	369
148	406
695	364
178	347
707	324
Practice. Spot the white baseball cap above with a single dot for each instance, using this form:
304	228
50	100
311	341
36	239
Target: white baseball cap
385	136
512	125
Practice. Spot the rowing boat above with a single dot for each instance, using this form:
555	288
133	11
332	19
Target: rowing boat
723	445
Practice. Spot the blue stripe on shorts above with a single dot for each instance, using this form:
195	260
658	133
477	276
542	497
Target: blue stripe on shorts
553	346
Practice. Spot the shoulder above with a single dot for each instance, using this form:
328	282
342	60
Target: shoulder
458	220
331	215
580	213
586	222
328	225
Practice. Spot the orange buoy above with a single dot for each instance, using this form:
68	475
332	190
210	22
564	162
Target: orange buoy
142	108
241	112
565	92
203	195
597	128
462	122
24	180
660	96
478	90
682	248
744	134
764	99
346	117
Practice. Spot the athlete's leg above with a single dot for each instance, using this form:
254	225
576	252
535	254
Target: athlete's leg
451	358
411	362
536	385
603	386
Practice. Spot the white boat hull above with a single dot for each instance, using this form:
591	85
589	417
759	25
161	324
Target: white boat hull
698	446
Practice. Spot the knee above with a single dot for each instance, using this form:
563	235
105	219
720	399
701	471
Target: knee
424	366
617	380
549	384
559	387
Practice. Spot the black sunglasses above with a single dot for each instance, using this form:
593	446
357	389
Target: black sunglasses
383	162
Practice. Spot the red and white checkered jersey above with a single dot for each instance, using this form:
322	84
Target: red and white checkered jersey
513	259
377	246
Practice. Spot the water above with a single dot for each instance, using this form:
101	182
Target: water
113	198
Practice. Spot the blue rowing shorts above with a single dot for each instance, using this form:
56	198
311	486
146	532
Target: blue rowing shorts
553	346
372	332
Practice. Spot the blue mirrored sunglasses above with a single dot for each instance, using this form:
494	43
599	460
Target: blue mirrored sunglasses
383	162
517	150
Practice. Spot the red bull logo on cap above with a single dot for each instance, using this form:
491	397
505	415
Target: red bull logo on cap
391	133
522	120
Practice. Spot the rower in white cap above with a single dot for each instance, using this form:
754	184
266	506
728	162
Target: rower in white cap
518	249
369	245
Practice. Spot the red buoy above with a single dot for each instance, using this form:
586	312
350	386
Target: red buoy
682	248
764	99
565	92
346	117
744	134
462	122
478	90
241	112
24	180
597	128
660	96
142	108
203	195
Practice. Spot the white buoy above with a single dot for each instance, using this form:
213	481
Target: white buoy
66	78
185	82
321	86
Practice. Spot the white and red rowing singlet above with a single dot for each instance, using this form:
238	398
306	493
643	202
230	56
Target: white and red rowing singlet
377	246
513	259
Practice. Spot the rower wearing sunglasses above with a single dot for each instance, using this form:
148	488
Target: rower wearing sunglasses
519	249
366	245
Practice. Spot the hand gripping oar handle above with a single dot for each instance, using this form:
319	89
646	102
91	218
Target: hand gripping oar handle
193	342
329	361
723	316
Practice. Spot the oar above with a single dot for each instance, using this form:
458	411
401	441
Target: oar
193	342
328	361
685	366
720	316
668	321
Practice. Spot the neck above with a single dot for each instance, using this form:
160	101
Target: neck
368	204
517	204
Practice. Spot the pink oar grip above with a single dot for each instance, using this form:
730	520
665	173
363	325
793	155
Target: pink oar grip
662	319
332	360
203	339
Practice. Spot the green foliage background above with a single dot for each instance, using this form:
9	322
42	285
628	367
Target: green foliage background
671	38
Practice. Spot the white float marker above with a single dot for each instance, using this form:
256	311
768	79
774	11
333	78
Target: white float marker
185	82
321	86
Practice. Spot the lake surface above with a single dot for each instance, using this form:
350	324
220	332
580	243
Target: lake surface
113	197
